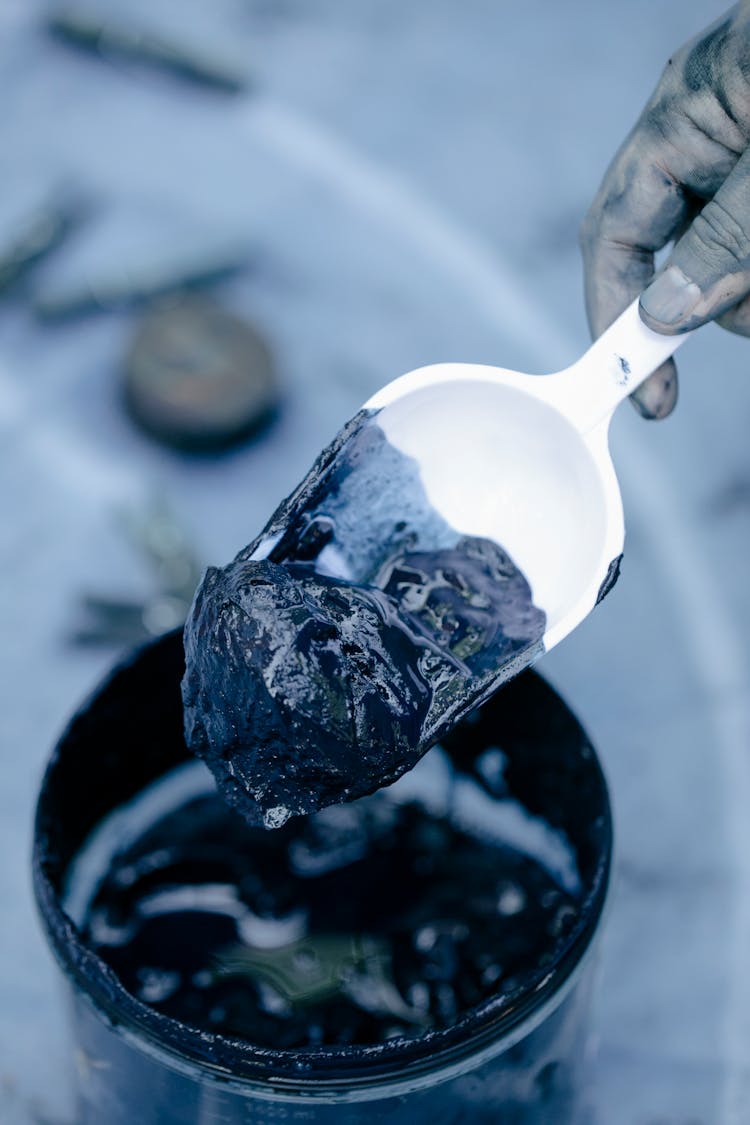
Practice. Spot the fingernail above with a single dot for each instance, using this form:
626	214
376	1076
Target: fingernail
671	297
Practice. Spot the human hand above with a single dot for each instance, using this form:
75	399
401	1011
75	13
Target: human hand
690	145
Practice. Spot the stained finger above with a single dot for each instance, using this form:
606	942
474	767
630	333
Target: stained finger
656	398
708	271
636	211
737	319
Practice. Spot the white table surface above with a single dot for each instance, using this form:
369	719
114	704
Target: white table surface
411	178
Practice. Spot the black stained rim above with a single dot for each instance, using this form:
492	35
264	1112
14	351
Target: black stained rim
528	718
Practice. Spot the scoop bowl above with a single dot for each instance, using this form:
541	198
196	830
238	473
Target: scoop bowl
524	460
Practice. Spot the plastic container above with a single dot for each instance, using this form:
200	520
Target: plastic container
517	1058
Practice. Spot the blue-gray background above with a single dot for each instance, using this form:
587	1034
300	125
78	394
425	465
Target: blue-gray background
409	179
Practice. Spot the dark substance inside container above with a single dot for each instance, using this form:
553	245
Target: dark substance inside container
385	918
522	763
339	646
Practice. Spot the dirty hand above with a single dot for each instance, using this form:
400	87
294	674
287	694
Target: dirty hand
683	174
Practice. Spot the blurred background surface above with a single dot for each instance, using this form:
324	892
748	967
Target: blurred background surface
372	186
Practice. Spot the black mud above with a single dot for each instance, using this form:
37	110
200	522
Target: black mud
349	927
305	688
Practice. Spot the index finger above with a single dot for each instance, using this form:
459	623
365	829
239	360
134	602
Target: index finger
637	210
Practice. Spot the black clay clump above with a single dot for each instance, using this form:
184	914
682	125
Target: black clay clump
306	688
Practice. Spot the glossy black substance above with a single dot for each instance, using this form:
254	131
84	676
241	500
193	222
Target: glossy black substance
339	646
128	737
610	579
362	923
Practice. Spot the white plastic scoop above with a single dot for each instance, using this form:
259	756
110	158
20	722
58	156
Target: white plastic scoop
383	600
524	460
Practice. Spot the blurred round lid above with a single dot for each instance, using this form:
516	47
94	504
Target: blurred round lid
197	376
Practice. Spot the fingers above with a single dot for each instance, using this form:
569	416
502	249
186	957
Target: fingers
638	207
635	213
737	319
657	396
689	145
708	272
685	147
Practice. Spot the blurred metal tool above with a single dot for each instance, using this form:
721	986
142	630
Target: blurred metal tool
29	232
113	620
135	248
128	284
123	623
119	33
163	543
198	377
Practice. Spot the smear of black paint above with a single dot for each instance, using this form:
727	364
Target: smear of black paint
704	63
610	579
377	919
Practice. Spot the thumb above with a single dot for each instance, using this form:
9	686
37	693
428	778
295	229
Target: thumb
708	270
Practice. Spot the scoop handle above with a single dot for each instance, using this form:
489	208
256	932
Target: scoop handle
615	364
